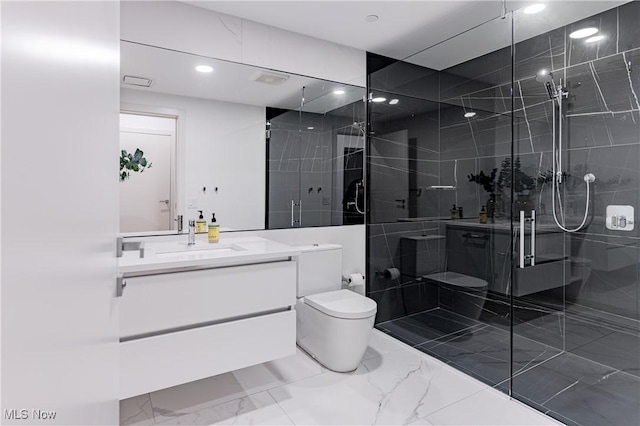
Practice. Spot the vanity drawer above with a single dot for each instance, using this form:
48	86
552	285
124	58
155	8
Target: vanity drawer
159	362
156	303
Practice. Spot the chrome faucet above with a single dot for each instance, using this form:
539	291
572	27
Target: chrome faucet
192	232
179	220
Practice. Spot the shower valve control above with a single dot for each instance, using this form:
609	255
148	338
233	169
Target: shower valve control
620	218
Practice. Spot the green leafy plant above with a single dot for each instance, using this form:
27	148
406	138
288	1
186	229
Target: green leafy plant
488	182
132	163
495	182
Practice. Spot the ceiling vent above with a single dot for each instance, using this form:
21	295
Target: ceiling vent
271	78
136	81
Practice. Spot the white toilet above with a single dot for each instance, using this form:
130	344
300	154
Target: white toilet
332	325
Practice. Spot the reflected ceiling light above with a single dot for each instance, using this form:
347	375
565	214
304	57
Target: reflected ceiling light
393	101
371	18
469	114
204	68
594	39
310	128
378	99
534	8
583	32
338	92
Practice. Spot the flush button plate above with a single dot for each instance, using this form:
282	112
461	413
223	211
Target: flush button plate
620	218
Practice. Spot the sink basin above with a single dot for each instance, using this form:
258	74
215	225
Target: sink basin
198	251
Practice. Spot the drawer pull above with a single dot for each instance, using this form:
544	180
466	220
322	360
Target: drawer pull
476	236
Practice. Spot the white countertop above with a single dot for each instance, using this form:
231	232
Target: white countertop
175	255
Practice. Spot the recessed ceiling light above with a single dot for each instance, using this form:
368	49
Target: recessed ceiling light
310	128
393	101
583	32
371	18
338	92
378	99
534	8
594	39
469	114
204	68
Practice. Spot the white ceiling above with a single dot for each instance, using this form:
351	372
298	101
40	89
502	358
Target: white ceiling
174	73
405	28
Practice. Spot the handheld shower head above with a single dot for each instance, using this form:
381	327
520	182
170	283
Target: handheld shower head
546	78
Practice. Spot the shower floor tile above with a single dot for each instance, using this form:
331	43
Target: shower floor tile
584	392
617	349
485	353
428	326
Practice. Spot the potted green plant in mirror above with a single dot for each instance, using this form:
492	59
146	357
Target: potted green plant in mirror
493	185
135	162
509	176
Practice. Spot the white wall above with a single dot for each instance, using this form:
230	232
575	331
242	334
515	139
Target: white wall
204	32
60	80
220	144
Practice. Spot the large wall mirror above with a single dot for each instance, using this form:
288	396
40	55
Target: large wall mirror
262	149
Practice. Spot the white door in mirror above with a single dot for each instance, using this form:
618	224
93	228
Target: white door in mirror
145	198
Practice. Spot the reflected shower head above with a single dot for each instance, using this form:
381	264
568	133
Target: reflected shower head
546	78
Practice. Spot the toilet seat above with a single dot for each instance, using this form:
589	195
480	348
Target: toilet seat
342	304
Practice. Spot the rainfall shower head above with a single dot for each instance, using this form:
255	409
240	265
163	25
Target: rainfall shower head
546	78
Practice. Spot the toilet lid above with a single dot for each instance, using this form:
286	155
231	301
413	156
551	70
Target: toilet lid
342	304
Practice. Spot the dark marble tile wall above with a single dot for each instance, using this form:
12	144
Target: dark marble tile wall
601	129
390	248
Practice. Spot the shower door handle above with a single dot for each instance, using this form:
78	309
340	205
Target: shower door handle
532	256
521	251
521	254
293	206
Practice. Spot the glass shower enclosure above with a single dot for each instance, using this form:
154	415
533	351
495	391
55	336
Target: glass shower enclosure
503	184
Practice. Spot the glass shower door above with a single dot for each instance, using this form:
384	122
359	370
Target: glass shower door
284	159
577	128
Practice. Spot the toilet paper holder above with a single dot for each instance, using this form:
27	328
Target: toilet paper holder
348	279
389	273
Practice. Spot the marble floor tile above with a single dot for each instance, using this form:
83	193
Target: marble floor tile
381	343
558	375
579	391
485	353
258	409
179	400
396	388
427	326
136	411
613	400
619	350
489	407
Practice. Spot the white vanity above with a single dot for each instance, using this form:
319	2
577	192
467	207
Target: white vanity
190	312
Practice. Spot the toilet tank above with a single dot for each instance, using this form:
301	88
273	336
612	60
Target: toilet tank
319	269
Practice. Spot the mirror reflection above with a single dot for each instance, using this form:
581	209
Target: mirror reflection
260	148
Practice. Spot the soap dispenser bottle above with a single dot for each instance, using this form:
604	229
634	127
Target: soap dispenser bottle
454	212
483	215
214	230
201	224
